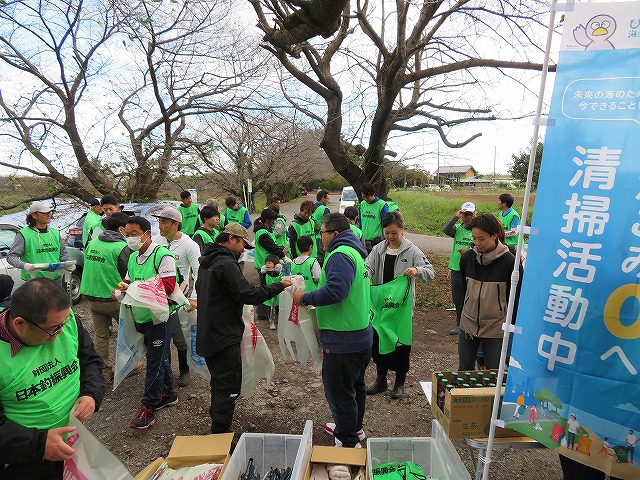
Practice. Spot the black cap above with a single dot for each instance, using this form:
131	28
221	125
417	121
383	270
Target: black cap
94	202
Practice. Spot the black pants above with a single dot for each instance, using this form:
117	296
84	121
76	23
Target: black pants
225	368
263	310
457	292
572	470
35	470
468	351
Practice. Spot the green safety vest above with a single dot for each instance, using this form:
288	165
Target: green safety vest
352	313
281	240
100	275
190	218
462	239
506	221
392	308
393	206
370	219
259	253
39	386
234	216
302	229
40	248
317	215
205	235
304	269
147	270
356	230
275	301
90	221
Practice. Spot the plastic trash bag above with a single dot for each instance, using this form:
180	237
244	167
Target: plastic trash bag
257	361
189	323
92	460
130	347
296	325
151	295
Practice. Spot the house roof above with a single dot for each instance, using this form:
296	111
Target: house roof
455	169
475	180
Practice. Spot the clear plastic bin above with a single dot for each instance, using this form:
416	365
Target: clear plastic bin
436	455
271	450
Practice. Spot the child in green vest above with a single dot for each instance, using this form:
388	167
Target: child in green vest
272	269
306	265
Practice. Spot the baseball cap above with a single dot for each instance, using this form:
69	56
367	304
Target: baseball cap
170	213
42	207
94	202
238	230
468	207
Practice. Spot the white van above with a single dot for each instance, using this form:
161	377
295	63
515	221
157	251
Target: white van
348	198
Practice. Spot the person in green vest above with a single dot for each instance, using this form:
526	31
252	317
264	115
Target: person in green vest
345	331
372	210
91	220
265	243
272	271
509	217
352	215
209	229
462	241
105	265
306	265
279	225
110	205
38	243
321	210
301	225
392	258
235	213
212	202
190	214
49	369
149	260
393	206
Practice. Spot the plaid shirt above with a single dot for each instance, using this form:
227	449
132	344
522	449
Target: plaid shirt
5	335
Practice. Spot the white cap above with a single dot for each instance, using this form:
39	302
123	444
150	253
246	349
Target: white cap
468	207
170	213
42	207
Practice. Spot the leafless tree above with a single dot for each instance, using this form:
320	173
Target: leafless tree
416	66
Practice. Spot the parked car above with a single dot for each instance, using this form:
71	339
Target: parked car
348	198
432	187
446	187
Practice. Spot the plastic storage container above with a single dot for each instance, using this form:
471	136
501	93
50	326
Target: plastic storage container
436	455
271	450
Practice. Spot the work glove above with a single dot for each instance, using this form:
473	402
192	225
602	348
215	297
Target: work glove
70	268
53	267
339	472
285	260
29	267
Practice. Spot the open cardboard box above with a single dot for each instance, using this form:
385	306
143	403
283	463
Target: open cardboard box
337	456
193	450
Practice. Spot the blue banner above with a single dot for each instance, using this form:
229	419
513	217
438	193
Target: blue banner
573	381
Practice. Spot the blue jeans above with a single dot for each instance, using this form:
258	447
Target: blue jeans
159	379
345	391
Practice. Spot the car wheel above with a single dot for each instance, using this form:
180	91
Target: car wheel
74	286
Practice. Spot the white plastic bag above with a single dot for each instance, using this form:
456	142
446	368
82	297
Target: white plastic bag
188	320
92	460
257	361
130	347
150	294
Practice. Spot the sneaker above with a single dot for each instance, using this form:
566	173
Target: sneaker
329	427
272	324
167	400
338	444
143	419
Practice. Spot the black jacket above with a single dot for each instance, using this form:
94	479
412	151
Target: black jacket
21	445
222	292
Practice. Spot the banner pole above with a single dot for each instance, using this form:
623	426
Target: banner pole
515	276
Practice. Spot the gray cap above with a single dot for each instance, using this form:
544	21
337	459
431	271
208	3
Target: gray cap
170	213
42	207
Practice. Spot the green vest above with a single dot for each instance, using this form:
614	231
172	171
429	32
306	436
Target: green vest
356	230
370	219
506	221
100	275
259	253
304	269
392	307
90	221
190	218
352	313
269	280
39	386
205	235
147	270
234	216
40	248
393	206
281	240
302	229
317	215
462	239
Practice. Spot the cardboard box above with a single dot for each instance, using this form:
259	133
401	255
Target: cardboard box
467	411
335	455
193	450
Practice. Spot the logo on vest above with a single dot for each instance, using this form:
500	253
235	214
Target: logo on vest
389	303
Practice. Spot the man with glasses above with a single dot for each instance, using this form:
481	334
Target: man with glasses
342	312
462	239
49	369
38	243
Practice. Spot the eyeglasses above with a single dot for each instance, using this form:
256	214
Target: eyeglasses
56	330
327	231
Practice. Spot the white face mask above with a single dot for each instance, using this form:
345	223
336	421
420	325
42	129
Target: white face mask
135	243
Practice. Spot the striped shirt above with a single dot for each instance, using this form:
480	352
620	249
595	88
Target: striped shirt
5	334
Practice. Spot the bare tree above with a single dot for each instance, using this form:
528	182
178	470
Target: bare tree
417	67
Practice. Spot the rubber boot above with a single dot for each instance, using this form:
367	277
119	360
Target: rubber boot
398	388
381	382
183	380
455	330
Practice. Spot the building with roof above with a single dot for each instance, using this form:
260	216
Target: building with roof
455	173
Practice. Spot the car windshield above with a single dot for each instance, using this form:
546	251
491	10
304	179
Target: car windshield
349	195
6	239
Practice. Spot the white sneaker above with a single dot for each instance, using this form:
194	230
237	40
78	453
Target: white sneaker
329	427
339	444
272	325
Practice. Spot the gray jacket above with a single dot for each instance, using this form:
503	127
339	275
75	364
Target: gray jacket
408	256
